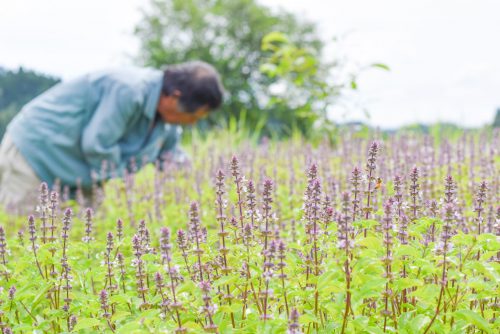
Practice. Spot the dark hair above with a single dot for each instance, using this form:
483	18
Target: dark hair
198	82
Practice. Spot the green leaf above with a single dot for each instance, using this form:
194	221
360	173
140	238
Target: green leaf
406	250
484	268
325	279
40	295
474	319
23	327
419	322
405	283
224	280
84	323
225	309
374	330
268	69
486	256
275	36
360	322
271	38
371	242
188	286
427	293
233	308
129	327
121	299
488	241
371	288
308	318
381	66
149	257
365	223
120	315
153	313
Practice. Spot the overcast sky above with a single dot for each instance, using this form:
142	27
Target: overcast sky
444	55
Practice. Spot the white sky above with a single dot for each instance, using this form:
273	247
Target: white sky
444	54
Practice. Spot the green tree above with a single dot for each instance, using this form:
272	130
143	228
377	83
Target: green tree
228	34
16	89
303	86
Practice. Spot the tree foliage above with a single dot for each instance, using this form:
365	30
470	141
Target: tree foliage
16	89
229	35
302	85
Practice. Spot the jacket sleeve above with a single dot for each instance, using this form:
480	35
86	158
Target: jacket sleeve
109	123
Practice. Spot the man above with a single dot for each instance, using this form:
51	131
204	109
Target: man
114	116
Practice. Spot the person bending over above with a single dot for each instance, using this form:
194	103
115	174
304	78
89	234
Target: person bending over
116	115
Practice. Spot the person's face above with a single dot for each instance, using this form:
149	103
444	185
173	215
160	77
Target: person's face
170	111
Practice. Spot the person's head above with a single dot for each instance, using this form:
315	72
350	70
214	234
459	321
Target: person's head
190	91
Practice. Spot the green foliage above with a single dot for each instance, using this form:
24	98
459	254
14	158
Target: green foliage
16	89
400	298
303	92
228	34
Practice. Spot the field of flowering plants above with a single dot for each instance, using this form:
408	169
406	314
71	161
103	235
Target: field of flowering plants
393	235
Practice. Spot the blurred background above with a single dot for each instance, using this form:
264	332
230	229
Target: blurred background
288	65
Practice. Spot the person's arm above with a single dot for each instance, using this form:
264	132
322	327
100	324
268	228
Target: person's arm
172	150
178	155
107	126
